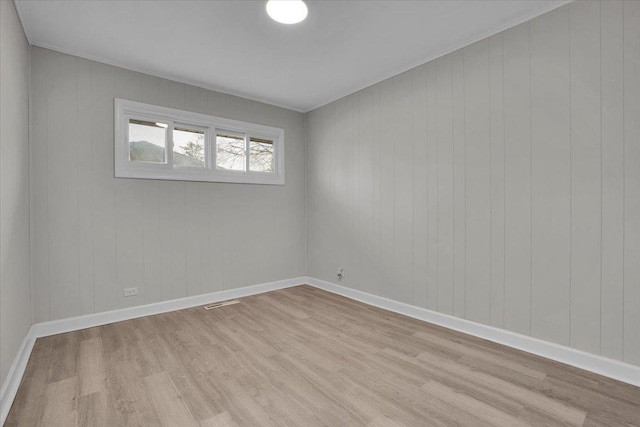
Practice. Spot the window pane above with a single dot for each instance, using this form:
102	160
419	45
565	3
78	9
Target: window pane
188	147
147	141
230	151
260	155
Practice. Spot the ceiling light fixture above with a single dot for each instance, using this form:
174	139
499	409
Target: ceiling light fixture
287	11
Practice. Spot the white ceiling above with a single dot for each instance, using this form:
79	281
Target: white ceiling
234	47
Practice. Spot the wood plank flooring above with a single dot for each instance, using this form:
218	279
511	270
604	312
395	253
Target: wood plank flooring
303	357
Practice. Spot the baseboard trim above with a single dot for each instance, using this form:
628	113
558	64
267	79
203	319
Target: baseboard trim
590	362
16	371
54	327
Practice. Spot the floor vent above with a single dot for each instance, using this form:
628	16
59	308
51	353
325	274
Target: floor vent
221	304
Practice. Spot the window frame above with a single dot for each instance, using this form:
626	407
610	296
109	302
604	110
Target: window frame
124	110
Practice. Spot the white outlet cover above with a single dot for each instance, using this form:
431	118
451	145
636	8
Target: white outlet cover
129	292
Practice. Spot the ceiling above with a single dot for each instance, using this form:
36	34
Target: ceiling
234	47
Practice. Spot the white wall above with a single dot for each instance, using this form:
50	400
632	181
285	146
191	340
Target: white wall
500	183
15	309
93	235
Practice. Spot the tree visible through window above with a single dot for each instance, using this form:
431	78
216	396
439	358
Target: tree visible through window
261	155
188	147
153	142
194	150
230	151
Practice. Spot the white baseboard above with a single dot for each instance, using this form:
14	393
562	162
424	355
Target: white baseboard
44	329
600	365
10	386
55	327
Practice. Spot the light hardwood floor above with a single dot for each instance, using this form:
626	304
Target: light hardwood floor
303	357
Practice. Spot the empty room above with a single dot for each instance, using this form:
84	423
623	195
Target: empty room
375	213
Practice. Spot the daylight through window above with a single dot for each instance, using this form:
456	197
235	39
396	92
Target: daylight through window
147	141
154	142
260	155
230	151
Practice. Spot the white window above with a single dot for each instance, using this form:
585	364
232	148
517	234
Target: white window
154	142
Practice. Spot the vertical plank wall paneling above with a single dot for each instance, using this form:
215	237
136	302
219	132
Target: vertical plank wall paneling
403	189
420	208
62	175
387	155
354	106
478	185
611	292
631	91
523	182
104	190
365	196
15	309
376	141
496	76
39	206
444	158
517	197
85	195
94	235
586	177
433	301
459	185
550	177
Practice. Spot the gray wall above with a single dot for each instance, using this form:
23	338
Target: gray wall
93	235
15	308
500	183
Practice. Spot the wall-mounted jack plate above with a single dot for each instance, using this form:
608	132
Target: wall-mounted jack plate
130	292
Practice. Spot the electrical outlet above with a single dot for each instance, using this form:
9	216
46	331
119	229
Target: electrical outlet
339	273
130	292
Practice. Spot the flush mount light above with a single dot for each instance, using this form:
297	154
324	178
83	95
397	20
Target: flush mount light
287	11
